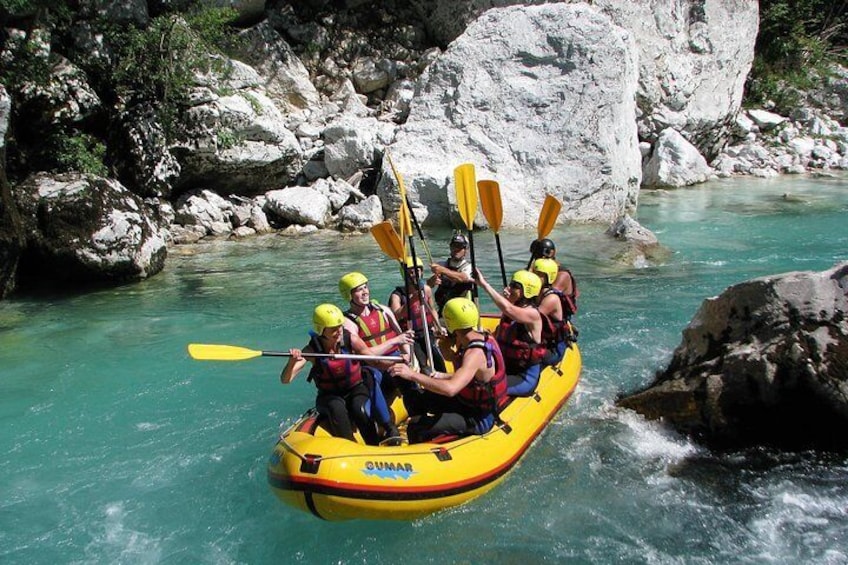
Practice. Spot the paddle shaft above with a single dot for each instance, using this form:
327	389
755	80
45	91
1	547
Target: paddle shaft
351	356
547	218
490	198
422	298
418	229
474	294
500	258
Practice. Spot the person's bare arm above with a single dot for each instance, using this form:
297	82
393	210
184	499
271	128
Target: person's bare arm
446	384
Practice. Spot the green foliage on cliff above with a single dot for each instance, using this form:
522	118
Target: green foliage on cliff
78	152
154	65
158	64
797	41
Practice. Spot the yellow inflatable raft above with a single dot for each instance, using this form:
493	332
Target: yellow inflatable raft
336	479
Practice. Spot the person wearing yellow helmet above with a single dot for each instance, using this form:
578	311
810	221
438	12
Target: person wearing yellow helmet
564	280
405	303
519	333
551	302
468	400
375	324
452	277
344	396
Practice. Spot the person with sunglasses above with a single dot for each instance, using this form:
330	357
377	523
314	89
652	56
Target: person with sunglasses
519	333
452	278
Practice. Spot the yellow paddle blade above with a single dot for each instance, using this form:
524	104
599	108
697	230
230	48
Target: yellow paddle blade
490	201
404	221
548	216
209	352
388	240
466	193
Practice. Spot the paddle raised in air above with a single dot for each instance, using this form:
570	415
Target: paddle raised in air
466	203
547	219
490	201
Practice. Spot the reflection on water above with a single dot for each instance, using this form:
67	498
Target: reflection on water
119	448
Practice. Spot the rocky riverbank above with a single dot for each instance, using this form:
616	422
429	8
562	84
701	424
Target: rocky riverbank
587	102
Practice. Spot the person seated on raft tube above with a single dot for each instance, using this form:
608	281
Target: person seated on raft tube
564	281
551	303
519	332
405	301
375	324
453	277
468	400
343	390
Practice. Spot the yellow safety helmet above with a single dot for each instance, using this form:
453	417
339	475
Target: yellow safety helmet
547	266
530	282
460	313
326	316
408	265
350	281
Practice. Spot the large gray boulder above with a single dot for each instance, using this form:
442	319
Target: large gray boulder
84	228
675	162
540	98
142	157
284	78
764	362
233	138
694	57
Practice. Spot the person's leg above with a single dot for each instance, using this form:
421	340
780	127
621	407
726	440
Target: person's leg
524	383
379	408
335	409
358	405
425	428
421	402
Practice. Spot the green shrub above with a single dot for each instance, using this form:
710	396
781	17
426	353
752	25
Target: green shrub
158	64
78	152
798	40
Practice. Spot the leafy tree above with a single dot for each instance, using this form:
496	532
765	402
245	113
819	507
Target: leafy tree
158	64
798	40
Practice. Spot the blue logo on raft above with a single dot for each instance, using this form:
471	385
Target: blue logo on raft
388	470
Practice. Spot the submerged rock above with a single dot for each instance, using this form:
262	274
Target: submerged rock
766	362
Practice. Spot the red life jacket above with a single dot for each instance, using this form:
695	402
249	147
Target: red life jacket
374	328
556	331
334	375
518	348
569	301
415	306
488	397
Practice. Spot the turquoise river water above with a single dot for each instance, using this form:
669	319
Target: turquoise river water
116	447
